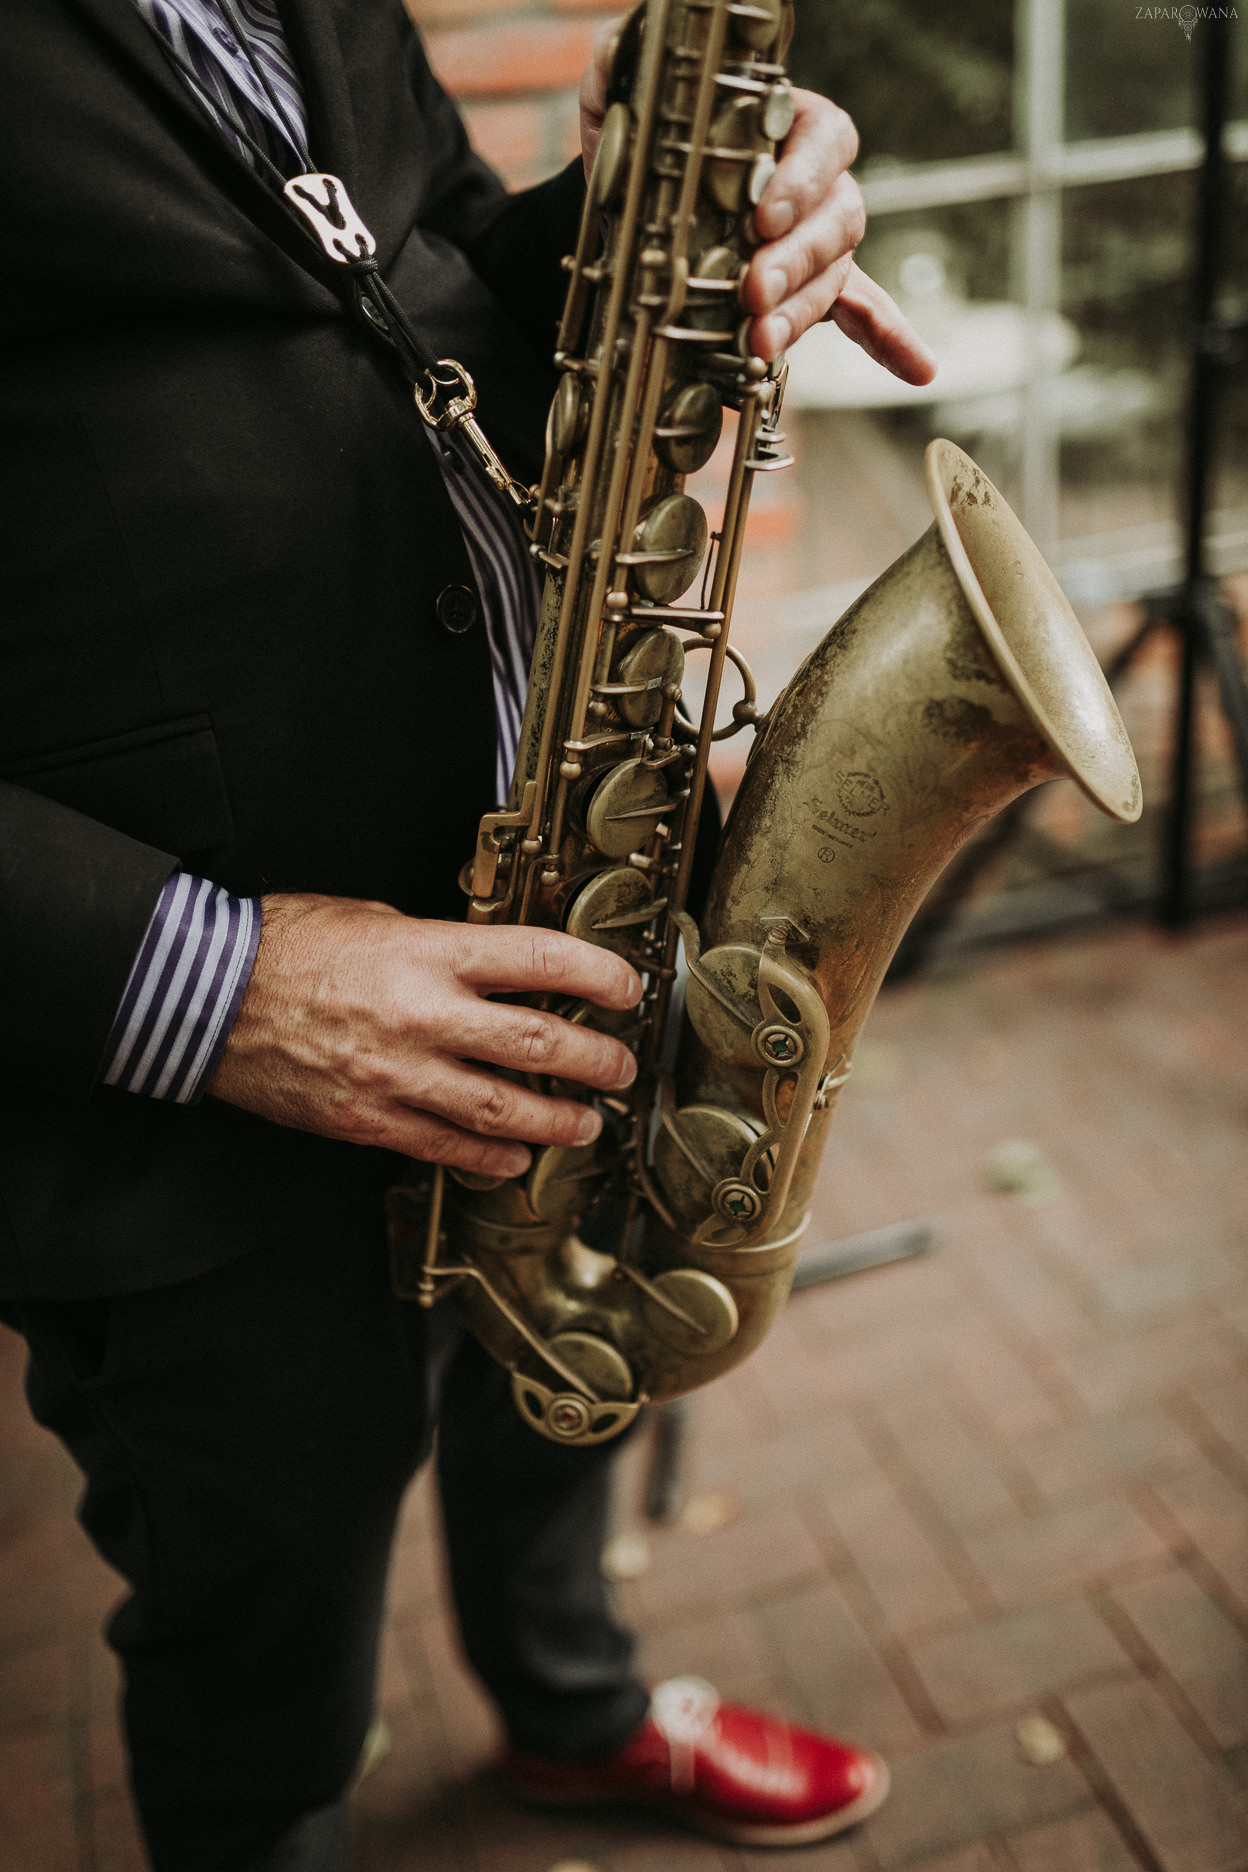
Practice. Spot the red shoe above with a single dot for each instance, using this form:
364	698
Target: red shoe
730	1773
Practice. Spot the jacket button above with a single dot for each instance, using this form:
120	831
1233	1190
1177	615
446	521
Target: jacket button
457	609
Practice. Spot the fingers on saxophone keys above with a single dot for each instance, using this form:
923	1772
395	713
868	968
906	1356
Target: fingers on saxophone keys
526	960
801	311
817	151
489	1107
529	1041
825	237
432	1140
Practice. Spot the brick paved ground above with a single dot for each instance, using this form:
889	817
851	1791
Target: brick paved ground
1005	1481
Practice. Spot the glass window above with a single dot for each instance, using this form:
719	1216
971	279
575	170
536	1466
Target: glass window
1232	445
1125	75
1126	291
922	84
1060	312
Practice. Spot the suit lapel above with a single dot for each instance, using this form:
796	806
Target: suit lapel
312	33
121	23
314	43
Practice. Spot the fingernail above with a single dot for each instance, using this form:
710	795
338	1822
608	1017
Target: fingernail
627	1076
775	286
634	991
589	1127
780	217
780	332
515	1163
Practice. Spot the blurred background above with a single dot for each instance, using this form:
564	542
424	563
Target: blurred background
1031	174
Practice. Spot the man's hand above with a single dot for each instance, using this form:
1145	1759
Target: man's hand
811	219
366	1025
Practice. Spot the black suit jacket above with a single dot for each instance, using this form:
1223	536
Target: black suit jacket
223	538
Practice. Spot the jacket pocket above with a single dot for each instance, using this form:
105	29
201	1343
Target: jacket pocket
161	785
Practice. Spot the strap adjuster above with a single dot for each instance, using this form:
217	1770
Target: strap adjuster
323	202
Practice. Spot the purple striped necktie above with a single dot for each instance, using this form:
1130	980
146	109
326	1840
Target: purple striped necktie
226	82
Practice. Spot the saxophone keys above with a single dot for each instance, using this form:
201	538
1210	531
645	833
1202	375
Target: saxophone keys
688	431
564	1180
568	416
756	22
690	1311
778	112
713	293
669	547
721	1000
566	1418
611	157
698	1151
626	808
732	144
613	910
596	1362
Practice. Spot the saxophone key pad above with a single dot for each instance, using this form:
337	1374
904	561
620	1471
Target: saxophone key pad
733	143
692	421
779	111
613	910
710	1317
568	415
611	157
757	22
669	548
626	809
697	1151
651	667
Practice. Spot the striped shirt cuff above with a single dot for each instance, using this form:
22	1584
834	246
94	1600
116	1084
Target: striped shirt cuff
184	991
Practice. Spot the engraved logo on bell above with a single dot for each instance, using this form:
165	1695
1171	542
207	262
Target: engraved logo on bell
860	794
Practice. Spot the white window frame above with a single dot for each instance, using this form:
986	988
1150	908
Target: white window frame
1035	177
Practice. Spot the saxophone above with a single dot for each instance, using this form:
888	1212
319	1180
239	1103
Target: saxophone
645	1264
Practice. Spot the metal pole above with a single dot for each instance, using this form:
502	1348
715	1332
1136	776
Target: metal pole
1208	343
1042	36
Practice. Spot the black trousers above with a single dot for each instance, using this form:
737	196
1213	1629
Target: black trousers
246	1439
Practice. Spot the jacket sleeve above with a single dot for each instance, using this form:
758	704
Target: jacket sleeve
75	902
516	242
519	249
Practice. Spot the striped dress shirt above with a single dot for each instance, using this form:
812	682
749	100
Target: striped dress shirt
192	969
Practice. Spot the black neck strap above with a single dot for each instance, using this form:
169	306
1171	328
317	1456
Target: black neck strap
322	210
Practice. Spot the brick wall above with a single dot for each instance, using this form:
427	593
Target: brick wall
515	69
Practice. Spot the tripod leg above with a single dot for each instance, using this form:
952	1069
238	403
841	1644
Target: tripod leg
1176	851
667	1482
1221	645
